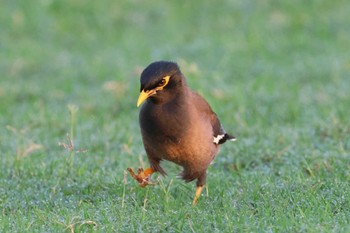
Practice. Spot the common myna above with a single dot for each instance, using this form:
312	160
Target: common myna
177	125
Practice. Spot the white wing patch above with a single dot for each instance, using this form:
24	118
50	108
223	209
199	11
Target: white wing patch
218	138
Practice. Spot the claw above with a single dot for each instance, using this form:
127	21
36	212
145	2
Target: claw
143	176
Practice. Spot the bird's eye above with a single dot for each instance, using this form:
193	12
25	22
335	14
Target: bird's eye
162	82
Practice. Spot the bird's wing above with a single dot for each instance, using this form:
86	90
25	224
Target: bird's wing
219	134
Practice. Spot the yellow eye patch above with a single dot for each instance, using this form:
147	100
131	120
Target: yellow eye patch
163	83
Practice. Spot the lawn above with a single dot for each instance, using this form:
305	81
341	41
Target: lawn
276	72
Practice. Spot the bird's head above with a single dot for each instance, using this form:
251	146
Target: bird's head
160	81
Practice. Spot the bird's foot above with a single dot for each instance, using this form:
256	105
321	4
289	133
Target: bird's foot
143	177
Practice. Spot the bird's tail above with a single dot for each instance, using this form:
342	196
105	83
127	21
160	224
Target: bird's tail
230	137
221	139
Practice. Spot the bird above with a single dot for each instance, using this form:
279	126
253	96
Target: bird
177	125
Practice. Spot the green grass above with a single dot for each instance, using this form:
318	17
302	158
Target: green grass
276	72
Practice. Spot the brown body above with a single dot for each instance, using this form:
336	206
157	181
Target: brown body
182	142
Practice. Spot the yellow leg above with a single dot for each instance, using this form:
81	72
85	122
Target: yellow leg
148	171
198	194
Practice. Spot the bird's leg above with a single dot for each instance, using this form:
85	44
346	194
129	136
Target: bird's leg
200	183
198	194
142	176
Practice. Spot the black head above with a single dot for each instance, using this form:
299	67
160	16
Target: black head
160	81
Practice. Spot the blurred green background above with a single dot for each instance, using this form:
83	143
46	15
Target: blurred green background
276	73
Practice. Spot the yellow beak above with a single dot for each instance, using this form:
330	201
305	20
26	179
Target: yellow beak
144	95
